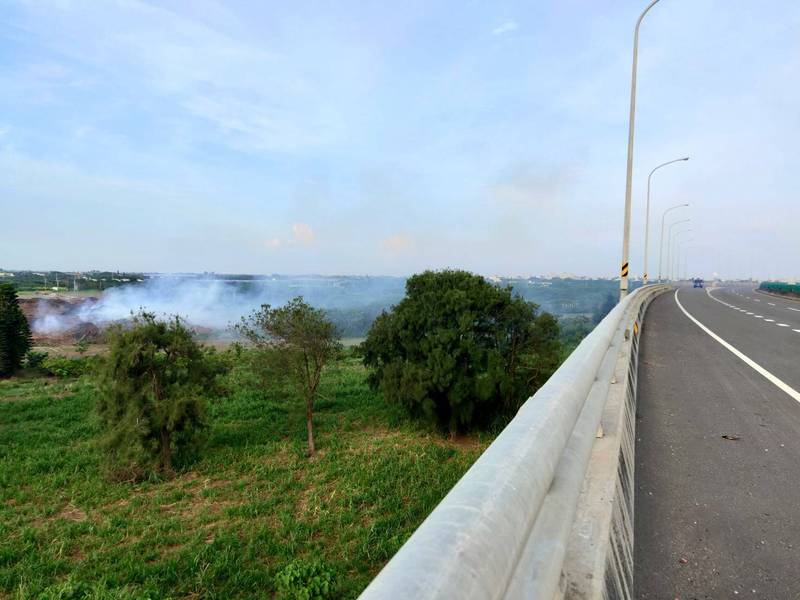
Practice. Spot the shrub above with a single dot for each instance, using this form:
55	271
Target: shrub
777	287
34	359
152	384
302	580
460	351
64	367
15	334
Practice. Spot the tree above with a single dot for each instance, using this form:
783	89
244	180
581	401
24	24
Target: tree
460	351
298	341
152	383
15	334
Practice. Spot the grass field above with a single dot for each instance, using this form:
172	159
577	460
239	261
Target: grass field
228	523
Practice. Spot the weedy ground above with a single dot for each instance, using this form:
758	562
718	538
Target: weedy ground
249	505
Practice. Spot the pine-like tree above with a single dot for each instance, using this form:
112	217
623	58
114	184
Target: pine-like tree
15	334
152	386
460	351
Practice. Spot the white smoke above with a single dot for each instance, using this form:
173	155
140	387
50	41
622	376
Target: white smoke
214	303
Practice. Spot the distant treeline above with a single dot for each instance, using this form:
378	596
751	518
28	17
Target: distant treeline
77	281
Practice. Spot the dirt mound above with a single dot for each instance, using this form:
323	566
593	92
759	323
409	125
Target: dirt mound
56	320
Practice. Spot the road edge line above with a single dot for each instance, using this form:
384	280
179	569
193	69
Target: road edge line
776	381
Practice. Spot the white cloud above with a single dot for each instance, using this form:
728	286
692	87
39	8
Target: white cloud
302	233
273	243
506	27
396	243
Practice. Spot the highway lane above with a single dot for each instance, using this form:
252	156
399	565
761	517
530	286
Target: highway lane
751	300
716	517
774	347
757	304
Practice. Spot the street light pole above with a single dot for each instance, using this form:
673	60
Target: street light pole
661	243
669	246
626	232
673	243
647	215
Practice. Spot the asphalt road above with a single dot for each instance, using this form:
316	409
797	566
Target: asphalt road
714	517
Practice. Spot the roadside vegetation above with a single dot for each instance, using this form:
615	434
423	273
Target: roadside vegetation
249	516
460	352
784	289
288	467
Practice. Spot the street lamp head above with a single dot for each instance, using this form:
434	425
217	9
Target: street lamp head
686	158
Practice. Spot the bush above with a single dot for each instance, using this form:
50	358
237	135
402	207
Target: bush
15	334
302	580
34	360
777	287
64	367
460	351
152	392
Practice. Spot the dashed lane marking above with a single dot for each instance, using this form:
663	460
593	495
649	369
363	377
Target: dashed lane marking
747	360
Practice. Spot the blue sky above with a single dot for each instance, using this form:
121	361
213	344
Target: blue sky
388	137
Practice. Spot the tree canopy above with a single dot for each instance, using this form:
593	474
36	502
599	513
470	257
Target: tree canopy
15	334
460	351
152	386
296	341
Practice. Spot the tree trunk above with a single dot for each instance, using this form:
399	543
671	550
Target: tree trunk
166	451
310	426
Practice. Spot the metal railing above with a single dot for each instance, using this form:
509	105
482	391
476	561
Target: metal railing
546	511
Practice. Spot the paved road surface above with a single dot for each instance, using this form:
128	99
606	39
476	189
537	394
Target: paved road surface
718	518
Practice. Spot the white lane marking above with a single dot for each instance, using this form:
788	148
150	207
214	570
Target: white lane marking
759	317
749	361
756	299
770	320
797	330
749	313
771	303
781	324
748	297
794	309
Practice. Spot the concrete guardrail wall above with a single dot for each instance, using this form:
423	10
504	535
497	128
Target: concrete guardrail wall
547	510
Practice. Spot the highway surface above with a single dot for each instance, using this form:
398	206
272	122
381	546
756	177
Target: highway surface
717	505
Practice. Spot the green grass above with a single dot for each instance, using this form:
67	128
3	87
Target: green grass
226	524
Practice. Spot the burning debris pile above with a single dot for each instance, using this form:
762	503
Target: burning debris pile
57	320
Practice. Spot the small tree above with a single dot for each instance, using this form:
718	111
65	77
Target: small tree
298	341
15	334
151	401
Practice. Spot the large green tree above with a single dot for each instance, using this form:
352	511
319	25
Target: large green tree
461	351
15	334
152	391
294	341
